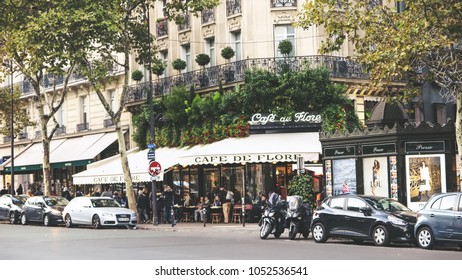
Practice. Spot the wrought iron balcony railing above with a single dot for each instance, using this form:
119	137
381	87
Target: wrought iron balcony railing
162	27
283	3
233	72
233	7
208	16
186	24
82	127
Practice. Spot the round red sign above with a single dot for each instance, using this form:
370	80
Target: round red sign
154	168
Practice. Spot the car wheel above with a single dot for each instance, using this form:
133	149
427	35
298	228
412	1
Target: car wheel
425	238
68	221
12	218
96	222
23	219
46	220
380	236
319	233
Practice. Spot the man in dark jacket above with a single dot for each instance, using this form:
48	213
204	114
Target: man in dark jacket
142	203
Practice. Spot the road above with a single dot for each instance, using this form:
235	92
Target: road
35	242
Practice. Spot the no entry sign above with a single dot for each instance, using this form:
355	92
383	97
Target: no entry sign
154	168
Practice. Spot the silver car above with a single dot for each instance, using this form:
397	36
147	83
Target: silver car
98	212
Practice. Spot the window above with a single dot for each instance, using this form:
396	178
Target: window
210	49
164	59
111	99
400	6
236	45
186	56
419	113
84	109
284	32
447	202
354	204
60	115
440	113
337	203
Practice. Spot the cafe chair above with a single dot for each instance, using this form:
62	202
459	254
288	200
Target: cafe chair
186	217
237	213
216	218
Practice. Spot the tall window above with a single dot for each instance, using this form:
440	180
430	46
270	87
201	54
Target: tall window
400	6
60	115
419	113
186	56
111	98
84	109
441	114
164	59
236	45
210	49
284	32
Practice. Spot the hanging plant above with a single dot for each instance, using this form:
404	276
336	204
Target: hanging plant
137	75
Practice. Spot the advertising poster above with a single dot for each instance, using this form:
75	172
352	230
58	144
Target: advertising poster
344	175
375	170
425	175
393	178
328	173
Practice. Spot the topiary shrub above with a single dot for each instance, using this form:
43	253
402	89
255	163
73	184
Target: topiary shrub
285	47
137	75
179	64
202	59
227	53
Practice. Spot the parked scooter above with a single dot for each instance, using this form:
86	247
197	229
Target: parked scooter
298	217
273	217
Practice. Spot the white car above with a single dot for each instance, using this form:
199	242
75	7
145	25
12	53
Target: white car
98	212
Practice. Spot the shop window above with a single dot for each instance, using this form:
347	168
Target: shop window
211	180
440	113
419	113
232	178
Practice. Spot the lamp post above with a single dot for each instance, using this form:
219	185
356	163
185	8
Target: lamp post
155	219
10	65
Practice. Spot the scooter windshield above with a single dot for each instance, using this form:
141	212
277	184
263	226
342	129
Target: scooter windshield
295	202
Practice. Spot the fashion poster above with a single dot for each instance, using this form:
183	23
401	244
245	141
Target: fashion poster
344	175
375	172
425	176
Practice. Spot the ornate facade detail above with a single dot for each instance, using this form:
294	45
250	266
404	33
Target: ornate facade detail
184	38
234	23
284	17
208	31
162	44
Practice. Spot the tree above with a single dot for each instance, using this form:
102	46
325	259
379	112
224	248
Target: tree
421	43
47	39
21	120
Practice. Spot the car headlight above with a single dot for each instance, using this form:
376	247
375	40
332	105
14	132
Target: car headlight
134	216
396	221
56	212
107	215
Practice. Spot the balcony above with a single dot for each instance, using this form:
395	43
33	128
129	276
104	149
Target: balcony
185	24
208	16
81	127
283	3
162	27
22	135
6	139
233	7
61	130
233	72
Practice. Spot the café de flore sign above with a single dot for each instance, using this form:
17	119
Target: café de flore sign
298	119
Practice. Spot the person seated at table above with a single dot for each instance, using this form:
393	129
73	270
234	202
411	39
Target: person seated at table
216	201
199	213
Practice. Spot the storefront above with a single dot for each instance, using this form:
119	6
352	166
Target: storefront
408	162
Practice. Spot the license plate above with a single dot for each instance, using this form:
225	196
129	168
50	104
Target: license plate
124	219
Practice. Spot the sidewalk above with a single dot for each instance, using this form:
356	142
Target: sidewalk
199	227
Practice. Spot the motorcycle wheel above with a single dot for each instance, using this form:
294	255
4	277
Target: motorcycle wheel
265	230
293	230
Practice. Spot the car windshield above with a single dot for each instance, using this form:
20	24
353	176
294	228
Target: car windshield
104	203
387	204
55	201
17	201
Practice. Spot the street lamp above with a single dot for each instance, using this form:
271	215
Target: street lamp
155	219
10	66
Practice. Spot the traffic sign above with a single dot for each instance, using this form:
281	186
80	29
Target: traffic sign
151	155
151	146
154	168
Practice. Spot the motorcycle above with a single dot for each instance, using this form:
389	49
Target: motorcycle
273	217
298	217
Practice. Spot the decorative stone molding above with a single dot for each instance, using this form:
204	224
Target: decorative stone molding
162	44
234	24
208	31
184	38
284	17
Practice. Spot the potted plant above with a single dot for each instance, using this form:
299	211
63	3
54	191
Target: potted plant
203	59
158	67
137	75
285	47
179	65
228	53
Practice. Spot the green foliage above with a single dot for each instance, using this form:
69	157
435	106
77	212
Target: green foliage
179	64
202	59
285	47
158	67
227	53
302	185
137	75
20	119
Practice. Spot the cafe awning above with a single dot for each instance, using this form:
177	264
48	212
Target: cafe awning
109	171
75	151
257	148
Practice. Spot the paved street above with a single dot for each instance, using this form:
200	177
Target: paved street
191	242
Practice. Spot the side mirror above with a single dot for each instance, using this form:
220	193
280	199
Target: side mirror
365	210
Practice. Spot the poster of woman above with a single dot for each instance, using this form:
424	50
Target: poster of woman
425	176
344	175
375	172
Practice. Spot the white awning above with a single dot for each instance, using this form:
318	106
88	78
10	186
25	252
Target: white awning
109	171
275	147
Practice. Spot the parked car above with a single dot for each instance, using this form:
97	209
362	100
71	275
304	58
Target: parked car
11	207
440	220
98	212
361	217
43	209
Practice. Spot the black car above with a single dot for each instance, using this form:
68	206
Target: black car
44	209
440	220
361	217
11	207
